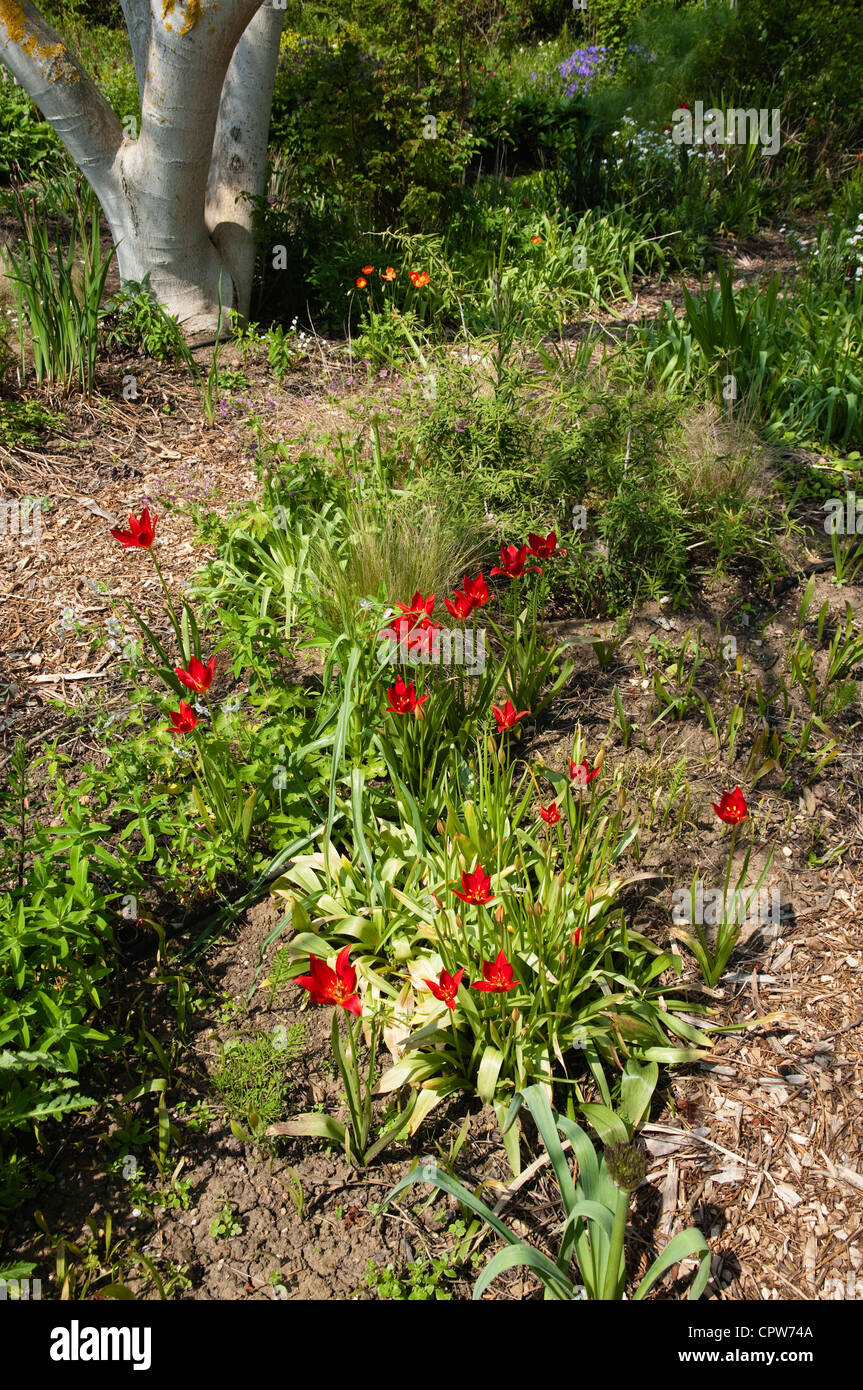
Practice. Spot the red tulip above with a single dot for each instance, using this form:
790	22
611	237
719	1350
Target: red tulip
732	807
512	558
141	532
460	605
581	772
328	986
367	269
361	282
184	720
543	547
403	699
475	887
497	976
447	989
476	590
507	717
550	814
198	677
418	608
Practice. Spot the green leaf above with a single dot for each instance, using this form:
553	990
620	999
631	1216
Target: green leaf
682	1247
555	1281
610	1127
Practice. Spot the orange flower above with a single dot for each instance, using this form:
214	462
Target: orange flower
388	274
536	240
419	278
367	269
361	282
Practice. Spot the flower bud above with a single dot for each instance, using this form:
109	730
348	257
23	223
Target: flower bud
627	1163
402	948
599	760
500	914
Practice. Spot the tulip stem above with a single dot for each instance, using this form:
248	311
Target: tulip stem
177	628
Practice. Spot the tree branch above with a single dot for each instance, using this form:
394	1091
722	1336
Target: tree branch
137	16
68	99
239	161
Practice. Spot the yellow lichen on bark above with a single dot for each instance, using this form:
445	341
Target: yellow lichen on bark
52	59
194	10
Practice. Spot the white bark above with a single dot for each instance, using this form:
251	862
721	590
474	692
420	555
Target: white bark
171	197
239	163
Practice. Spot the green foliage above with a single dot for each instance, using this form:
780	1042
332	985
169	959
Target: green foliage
56	956
252	1075
23	423
419	1282
59	290
28	145
135	321
595	1203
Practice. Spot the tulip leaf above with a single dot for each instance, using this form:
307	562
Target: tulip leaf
312	1125
489	1071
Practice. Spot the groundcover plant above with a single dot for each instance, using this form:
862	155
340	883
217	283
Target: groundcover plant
430	608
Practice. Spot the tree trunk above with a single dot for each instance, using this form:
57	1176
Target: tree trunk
173	197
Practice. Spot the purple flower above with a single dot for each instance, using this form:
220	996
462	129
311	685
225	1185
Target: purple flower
461	426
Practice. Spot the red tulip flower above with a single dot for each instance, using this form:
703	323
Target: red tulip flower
476	590
141	532
543	547
475	887
403	699
367	269
550	814
198	677
460	605
361	282
512	558
732	807
418	608
183	720
497	976
447	988
507	717
581	772
337	986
